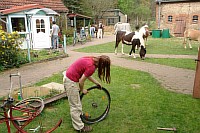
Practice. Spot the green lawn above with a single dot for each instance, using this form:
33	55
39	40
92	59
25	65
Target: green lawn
179	63
139	105
155	46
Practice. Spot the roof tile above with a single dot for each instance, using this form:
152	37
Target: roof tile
56	5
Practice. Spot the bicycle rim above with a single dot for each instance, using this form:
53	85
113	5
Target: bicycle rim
25	111
33	104
27	108
95	105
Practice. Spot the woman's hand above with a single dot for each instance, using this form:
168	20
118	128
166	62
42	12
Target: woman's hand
99	85
84	91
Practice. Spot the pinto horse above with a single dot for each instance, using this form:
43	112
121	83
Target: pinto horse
126	39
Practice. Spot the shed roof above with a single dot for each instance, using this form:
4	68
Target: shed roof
56	5
20	8
78	16
46	10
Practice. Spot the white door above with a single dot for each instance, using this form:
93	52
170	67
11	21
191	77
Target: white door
41	32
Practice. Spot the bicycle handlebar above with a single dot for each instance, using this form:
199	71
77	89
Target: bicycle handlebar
15	74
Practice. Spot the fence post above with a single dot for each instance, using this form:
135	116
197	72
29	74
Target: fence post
65	46
196	89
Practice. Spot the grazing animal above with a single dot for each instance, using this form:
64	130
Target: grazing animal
142	52
128	40
191	35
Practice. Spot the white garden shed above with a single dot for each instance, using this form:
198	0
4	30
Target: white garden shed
31	21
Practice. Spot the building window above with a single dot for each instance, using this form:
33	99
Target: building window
18	24
195	19
111	21
170	18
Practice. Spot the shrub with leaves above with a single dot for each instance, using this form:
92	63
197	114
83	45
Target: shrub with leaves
10	52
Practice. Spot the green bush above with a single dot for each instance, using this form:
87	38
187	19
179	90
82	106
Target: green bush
10	52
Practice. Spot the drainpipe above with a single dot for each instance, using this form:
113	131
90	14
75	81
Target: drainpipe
159	13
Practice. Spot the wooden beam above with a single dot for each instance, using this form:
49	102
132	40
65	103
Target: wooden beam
196	89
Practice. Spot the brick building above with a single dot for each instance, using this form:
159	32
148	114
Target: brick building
178	15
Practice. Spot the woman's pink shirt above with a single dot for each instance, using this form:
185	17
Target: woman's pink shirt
84	65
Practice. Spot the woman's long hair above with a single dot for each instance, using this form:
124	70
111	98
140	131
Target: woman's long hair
104	68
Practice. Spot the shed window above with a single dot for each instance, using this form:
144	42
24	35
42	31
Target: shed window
40	25
170	18
195	19
18	24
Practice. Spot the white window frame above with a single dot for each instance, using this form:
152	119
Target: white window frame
18	16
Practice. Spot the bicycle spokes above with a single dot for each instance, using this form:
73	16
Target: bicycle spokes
95	105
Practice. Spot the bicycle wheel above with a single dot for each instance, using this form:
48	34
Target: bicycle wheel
95	105
27	109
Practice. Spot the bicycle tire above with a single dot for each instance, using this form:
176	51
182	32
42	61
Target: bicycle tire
27	108
95	99
25	111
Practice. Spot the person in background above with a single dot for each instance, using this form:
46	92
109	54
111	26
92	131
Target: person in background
54	35
74	79
100	31
92	31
